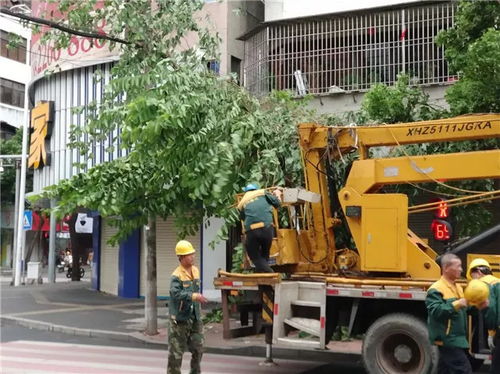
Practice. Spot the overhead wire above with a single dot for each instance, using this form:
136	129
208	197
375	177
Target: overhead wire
427	174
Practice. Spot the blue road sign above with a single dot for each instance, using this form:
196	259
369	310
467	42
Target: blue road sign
27	220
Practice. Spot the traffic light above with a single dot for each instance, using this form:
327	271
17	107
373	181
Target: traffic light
441	227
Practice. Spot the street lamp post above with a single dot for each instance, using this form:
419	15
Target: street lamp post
16	202
52	243
22	189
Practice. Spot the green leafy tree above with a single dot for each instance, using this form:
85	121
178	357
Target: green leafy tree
11	146
399	103
473	52
193	138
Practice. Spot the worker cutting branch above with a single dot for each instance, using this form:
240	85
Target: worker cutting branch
256	212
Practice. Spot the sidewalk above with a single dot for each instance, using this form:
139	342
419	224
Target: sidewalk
73	308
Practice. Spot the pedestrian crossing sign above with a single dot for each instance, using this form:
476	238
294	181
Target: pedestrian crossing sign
27	220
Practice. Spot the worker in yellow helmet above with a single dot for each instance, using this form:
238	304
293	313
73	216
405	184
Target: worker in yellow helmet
447	310
480	269
185	327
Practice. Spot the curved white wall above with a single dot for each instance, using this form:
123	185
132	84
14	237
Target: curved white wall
70	89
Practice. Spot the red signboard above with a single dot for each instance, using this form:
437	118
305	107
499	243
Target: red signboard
41	222
81	51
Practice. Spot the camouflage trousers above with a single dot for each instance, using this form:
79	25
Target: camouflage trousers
182	336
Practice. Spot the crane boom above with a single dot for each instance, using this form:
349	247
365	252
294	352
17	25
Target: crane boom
470	127
378	222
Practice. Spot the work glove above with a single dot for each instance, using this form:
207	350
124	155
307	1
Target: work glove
491	343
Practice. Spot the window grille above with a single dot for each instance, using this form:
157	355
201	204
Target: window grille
17	52
11	93
348	53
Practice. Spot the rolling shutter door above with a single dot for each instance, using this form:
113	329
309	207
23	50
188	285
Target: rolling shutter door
109	260
166	260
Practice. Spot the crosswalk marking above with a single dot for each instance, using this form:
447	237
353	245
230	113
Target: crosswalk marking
33	357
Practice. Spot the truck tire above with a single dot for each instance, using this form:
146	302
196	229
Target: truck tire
399	343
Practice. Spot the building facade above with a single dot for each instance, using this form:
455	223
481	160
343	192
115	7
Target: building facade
121	269
15	72
337	50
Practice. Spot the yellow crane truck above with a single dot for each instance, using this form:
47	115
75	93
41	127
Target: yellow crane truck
381	283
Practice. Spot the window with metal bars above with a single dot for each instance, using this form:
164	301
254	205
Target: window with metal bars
345	53
17	52
11	93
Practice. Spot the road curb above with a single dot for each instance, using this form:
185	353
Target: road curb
250	350
48	326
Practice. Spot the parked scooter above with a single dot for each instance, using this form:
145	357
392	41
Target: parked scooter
69	273
60	264
60	267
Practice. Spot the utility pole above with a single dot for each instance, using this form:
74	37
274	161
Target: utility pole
52	243
17	164
22	188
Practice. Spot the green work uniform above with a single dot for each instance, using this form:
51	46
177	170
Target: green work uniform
492	313
185	326
256	209
492	319
447	322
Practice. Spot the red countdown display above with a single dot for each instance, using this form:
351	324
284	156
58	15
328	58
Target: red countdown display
440	227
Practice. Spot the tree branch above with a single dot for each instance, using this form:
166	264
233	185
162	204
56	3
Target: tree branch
63	28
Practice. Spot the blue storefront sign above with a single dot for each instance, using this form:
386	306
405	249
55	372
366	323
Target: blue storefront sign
27	220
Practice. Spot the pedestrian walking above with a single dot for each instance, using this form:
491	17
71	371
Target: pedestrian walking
480	269
447	318
185	326
256	212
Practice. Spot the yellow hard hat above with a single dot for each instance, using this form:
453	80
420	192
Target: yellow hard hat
183	248
476	292
476	263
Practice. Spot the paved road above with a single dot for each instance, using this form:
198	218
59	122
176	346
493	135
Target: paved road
41	352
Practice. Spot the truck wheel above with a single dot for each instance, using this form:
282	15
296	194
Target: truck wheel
398	343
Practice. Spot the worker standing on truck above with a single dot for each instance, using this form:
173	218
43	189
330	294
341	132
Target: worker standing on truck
447	318
480	269
256	212
185	327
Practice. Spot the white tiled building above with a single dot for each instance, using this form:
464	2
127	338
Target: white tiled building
15	72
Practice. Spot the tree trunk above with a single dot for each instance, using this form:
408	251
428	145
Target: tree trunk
150	305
